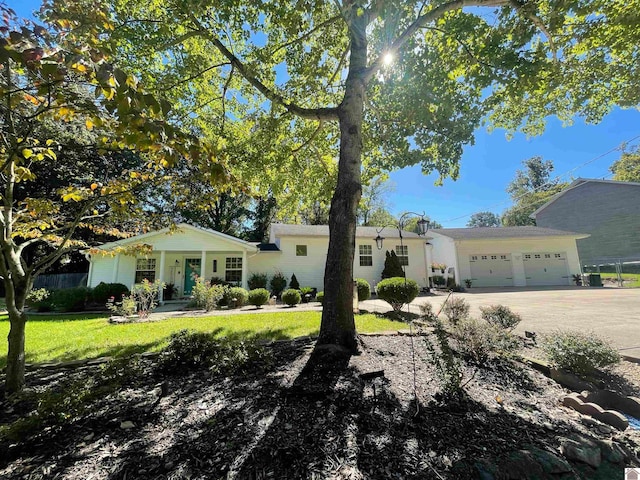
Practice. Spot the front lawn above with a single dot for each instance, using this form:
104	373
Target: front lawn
72	337
632	280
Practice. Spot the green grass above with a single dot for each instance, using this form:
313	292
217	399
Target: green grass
73	337
626	276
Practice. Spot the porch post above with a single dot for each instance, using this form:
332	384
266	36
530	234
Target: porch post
203	265
161	275
116	265
244	269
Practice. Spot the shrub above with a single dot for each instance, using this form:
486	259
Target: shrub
291	297
235	297
206	295
456	309
146	296
427	313
257	280
189	350
306	293
456	288
320	297
447	367
258	296
219	281
468	282
294	282
396	291
364	289
578	352
125	308
501	317
39	300
70	299
438	280
104	291
451	282
278	283
475	340
392	266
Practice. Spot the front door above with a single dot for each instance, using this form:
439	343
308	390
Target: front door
191	273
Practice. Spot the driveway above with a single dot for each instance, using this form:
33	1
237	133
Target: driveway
610	312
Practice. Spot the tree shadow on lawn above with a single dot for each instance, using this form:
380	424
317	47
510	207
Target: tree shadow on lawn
402	316
323	423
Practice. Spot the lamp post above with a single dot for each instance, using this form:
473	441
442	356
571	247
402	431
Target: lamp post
423	228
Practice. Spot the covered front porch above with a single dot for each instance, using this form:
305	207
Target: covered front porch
177	258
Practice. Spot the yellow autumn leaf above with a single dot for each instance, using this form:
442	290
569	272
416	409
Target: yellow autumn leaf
94	186
27	153
89	124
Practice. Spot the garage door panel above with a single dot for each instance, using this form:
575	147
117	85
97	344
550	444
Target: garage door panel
542	268
491	270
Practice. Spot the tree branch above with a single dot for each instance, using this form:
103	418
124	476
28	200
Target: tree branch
194	76
422	21
307	34
325	114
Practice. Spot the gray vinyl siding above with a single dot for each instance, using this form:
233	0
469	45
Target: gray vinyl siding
609	212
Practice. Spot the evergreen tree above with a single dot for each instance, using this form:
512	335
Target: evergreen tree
392	266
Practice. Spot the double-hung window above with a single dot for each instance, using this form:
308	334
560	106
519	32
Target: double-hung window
145	268
366	255
402	251
233	270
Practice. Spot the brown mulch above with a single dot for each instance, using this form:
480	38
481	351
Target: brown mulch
286	422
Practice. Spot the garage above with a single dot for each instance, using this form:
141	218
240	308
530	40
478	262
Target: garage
491	270
541	268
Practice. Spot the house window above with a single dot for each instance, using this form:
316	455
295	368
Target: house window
233	270
366	255
215	266
402	251
474	257
484	257
527	257
145	268
494	257
537	256
301	250
503	257
557	255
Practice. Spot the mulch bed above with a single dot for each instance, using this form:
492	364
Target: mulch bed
287	423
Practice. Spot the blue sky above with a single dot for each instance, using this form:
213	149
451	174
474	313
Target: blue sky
489	165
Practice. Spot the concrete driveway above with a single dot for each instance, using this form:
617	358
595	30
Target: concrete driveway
610	312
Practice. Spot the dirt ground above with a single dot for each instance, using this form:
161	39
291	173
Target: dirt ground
279	423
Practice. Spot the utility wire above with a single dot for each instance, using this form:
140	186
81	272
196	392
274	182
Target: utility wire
551	182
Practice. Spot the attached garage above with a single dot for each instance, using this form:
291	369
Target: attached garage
491	270
507	256
542	268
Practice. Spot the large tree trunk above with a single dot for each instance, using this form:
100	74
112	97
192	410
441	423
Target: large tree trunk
15	357
338	327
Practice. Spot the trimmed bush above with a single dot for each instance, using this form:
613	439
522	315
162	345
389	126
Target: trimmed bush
70	299
581	353
320	297
278	283
294	282
306	293
235	297
104	291
397	292
438	280
456	309
257	280
364	289
501	317
258	297
291	297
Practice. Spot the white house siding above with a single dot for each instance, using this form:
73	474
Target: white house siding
444	251
309	270
516	248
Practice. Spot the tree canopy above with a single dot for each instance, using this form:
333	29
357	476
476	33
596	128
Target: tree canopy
531	188
627	167
484	219
286	88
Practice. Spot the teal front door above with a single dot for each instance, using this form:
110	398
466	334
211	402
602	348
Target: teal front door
191	273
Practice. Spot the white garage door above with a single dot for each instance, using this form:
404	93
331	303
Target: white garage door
546	268
491	270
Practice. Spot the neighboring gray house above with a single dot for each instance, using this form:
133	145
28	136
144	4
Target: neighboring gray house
607	210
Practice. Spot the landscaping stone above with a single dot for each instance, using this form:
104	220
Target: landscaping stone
612	452
610	417
570	381
520	465
550	462
584	451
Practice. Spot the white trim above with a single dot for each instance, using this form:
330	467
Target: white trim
183	226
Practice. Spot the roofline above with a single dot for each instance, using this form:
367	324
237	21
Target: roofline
577	236
576	183
405	233
136	238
